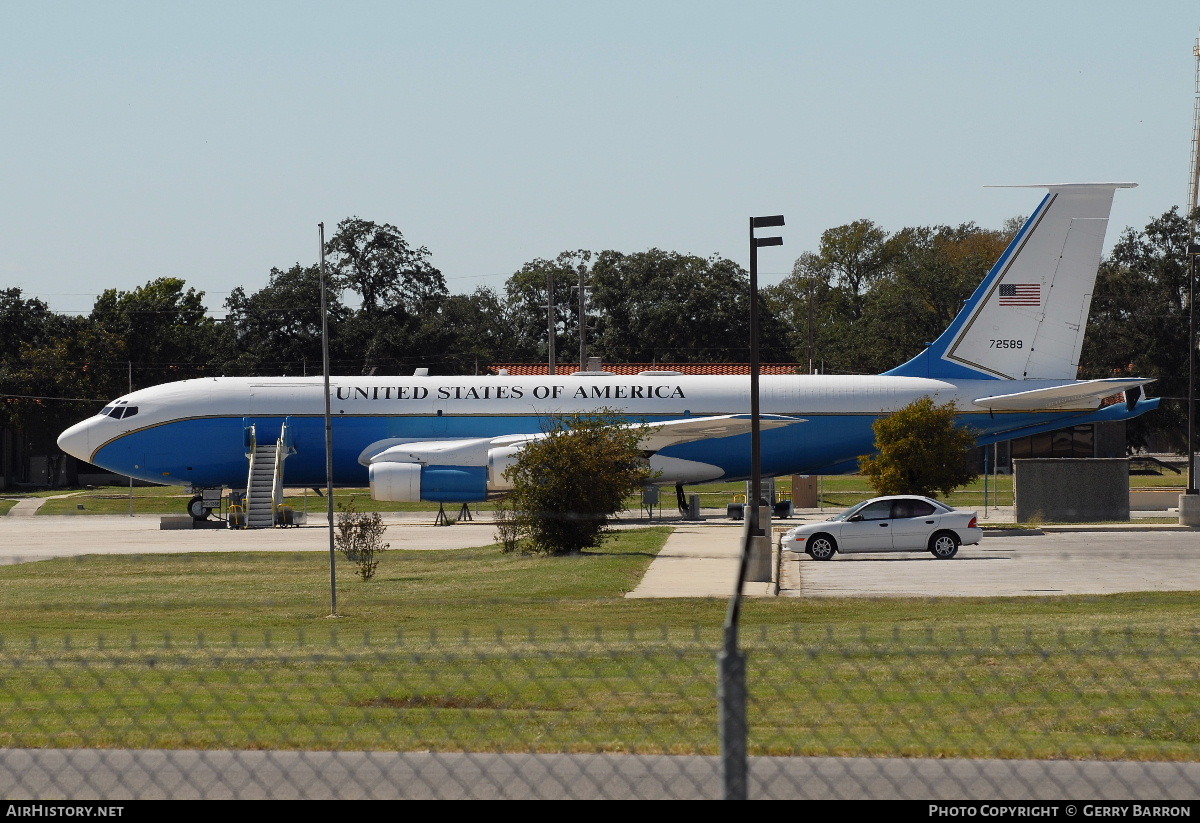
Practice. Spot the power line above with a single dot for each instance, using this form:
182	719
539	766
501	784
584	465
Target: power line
40	397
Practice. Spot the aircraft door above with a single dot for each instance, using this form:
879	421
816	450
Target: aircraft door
872	533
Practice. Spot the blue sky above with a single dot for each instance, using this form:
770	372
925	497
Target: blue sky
207	140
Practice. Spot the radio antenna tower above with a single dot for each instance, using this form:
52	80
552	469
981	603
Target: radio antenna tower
1194	180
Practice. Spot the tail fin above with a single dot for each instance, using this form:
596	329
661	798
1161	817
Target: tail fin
1028	316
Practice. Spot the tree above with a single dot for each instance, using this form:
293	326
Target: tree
463	333
61	381
396	284
921	450
26	324
854	255
375	261
526	296
830	291
166	328
277	330
23	322
568	484
934	269
868	301
666	306
815	316
1138	326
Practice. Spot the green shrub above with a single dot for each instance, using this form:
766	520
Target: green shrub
921	451
567	484
359	537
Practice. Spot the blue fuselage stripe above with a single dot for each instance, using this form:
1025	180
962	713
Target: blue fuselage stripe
210	451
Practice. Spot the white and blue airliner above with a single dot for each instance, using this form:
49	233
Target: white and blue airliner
1008	361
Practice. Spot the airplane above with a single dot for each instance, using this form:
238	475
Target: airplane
1008	361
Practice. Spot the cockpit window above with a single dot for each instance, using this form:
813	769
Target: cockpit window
119	410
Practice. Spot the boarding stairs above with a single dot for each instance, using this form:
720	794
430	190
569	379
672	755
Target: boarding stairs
263	501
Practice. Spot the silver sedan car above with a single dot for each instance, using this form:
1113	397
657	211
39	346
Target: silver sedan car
898	523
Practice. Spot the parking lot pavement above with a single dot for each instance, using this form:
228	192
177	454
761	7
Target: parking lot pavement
1050	563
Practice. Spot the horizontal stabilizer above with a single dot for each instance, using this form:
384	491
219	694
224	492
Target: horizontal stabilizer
1087	394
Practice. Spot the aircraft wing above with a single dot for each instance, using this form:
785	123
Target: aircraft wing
474	451
673	432
661	434
1086	394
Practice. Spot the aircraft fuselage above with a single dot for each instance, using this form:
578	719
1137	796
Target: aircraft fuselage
194	432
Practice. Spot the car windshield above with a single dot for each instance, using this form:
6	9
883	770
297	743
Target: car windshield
849	511
935	506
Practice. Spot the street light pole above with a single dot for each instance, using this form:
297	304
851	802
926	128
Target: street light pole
333	612
1193	250
732	661
753	509
1189	501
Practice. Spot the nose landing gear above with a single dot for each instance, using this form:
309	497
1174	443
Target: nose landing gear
197	509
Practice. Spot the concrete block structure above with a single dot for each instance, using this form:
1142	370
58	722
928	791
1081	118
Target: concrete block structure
1075	490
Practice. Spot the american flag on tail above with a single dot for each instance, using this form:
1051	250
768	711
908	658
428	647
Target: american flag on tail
1020	294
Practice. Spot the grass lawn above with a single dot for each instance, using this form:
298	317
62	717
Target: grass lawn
477	650
837	492
174	499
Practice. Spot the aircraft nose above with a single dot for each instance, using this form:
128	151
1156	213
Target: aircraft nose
77	441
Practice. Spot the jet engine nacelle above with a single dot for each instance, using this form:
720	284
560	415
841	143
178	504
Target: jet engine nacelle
413	482
396	475
499	461
450	471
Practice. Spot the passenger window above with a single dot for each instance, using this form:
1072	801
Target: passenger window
902	508
922	509
881	510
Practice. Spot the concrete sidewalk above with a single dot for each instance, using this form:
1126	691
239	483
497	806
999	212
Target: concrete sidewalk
698	561
29	506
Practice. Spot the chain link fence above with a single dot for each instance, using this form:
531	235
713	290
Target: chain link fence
909	714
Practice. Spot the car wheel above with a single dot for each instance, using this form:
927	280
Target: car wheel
944	545
821	547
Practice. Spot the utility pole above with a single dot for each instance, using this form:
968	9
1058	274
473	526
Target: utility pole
1194	180
1189	502
583	329
131	476
812	282
550	324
